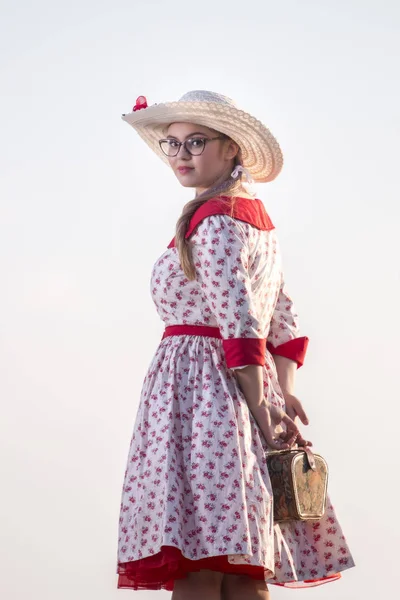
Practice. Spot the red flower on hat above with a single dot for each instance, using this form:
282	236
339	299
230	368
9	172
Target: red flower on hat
141	102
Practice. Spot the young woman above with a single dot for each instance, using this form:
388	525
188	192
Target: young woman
196	511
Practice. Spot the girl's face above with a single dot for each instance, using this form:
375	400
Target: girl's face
213	166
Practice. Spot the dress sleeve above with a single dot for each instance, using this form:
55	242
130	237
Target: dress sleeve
283	337
221	257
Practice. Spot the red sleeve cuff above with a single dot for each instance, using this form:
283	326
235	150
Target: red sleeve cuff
294	349
244	351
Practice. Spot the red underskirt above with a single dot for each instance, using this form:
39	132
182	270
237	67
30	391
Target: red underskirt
160	571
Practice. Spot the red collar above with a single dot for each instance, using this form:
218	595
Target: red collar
244	209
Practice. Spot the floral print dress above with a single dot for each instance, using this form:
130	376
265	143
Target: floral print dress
196	493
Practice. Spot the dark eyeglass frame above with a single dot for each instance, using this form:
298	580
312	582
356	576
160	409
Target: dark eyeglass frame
203	139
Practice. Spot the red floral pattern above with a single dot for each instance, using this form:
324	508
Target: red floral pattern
196	479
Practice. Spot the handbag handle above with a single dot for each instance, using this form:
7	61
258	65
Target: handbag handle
310	457
306	449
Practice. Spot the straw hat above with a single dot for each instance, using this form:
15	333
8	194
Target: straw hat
261	154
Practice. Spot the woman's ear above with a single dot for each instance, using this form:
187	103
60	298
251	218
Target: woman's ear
231	149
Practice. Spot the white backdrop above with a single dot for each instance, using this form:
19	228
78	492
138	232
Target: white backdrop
86	209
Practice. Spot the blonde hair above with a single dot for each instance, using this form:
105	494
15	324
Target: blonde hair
231	187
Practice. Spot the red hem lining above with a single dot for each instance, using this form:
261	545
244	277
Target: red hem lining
160	570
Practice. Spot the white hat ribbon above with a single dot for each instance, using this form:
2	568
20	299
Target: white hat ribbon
248	185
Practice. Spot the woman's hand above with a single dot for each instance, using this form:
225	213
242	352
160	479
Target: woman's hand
291	435
279	430
277	426
294	408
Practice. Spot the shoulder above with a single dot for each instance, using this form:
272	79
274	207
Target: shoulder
218	213
251	211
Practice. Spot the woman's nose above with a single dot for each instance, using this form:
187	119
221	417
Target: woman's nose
183	152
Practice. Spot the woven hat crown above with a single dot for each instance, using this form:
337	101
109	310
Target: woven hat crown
206	96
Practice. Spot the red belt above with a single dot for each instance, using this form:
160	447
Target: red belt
202	330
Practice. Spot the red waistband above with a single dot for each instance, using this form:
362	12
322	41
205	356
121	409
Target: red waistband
202	330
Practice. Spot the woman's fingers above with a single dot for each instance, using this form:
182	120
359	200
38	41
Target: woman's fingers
292	431
291	434
294	408
276	443
280	441
291	412
301	413
302	442
290	424
289	437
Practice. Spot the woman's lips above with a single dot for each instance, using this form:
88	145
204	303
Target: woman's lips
184	170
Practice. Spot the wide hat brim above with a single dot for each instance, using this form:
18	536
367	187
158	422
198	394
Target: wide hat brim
261	153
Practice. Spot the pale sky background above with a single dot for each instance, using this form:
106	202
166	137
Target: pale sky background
86	209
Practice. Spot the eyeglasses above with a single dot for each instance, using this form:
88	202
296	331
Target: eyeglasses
194	146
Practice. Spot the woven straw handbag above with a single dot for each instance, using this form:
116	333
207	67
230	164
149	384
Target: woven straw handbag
299	480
